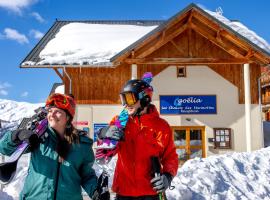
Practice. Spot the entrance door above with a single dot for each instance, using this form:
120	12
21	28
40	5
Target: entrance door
189	142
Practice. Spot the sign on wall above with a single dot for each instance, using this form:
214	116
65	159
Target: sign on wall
96	128
188	104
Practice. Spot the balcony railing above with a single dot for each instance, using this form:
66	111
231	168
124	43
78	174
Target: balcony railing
265	80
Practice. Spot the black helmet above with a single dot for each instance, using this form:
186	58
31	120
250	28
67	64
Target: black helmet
135	90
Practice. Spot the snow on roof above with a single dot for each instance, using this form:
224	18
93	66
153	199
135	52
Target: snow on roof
81	43
93	44
242	30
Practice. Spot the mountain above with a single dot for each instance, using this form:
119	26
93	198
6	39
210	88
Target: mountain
12	112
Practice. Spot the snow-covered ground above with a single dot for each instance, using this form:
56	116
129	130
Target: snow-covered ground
244	176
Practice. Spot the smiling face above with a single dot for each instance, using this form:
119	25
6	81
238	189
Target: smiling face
57	119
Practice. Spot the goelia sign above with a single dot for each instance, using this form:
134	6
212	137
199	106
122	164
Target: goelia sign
188	104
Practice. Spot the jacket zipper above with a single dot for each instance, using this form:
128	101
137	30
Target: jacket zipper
57	178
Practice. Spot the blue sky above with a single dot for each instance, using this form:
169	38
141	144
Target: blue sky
23	22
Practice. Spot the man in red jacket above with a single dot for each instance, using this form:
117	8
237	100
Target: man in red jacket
145	136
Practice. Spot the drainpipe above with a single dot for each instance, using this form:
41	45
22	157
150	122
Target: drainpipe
70	82
260	102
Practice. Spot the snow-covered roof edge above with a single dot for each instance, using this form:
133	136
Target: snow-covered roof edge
189	7
33	56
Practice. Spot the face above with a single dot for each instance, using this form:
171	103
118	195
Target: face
133	109
57	118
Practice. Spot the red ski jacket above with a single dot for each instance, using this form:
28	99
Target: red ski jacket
145	136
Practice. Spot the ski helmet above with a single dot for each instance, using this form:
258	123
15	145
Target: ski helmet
62	101
135	90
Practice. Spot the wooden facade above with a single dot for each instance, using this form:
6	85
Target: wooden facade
188	39
191	37
265	92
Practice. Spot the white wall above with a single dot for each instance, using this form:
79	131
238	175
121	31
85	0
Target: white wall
200	80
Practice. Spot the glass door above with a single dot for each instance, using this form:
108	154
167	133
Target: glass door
189	142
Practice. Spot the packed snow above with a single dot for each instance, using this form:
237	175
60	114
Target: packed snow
231	176
80	43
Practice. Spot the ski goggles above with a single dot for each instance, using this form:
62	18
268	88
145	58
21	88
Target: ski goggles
128	98
63	102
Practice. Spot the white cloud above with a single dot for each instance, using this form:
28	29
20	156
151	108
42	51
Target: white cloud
36	34
13	34
24	94
5	85
3	92
37	16
16	5
3	88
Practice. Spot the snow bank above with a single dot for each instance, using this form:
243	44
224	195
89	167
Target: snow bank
231	176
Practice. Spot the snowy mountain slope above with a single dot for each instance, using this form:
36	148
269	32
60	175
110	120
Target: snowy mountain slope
12	112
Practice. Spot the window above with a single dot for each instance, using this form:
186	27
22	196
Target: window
181	71
222	138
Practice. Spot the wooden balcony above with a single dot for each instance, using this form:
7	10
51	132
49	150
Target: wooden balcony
265	81
265	100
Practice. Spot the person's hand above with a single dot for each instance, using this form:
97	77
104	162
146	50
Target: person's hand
20	135
161	183
111	132
102	191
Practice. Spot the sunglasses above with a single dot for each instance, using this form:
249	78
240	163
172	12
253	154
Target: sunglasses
128	98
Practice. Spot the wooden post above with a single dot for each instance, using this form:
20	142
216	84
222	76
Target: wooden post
247	106
134	71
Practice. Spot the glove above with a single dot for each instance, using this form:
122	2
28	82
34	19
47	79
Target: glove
161	183
111	132
102	191
20	135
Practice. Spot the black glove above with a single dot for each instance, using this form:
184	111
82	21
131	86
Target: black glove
161	183
102	191
20	135
111	132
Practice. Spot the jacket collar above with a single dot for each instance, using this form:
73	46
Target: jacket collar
151	113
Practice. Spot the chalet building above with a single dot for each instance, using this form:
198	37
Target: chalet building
206	70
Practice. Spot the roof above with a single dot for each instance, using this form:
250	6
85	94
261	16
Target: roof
234	27
86	42
101	42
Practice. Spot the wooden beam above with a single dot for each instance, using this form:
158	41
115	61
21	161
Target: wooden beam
249	54
176	61
177	47
190	43
231	37
168	26
159	43
213	39
58	73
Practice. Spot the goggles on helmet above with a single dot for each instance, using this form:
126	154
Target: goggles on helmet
128	98
62	101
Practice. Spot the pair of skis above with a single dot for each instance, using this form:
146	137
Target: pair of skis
38	124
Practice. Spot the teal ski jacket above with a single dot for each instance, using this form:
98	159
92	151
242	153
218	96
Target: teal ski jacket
45	170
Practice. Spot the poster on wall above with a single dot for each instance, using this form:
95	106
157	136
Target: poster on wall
188	104
96	128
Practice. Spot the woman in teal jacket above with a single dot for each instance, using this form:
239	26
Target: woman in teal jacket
62	163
